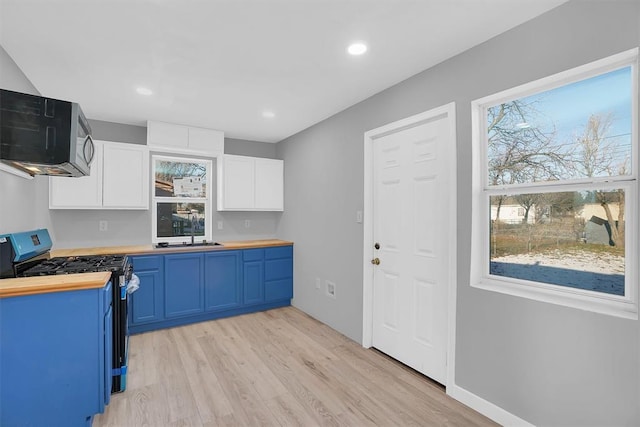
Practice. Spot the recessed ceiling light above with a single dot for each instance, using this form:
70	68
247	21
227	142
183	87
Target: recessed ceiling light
144	91
357	48
268	114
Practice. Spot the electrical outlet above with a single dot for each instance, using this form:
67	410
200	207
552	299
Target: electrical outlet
103	226
318	283
331	289
219	225
247	223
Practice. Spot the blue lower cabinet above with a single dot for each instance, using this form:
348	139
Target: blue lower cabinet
183	284
222	286
177	289
55	365
278	274
146	305
253	276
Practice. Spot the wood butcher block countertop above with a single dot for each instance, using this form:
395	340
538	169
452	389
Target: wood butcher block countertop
150	249
47	284
69	282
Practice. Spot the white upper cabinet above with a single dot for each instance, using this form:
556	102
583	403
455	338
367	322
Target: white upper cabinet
119	179
238	183
173	138
125	176
79	193
269	181
250	184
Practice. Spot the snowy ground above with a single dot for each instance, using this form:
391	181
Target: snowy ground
600	272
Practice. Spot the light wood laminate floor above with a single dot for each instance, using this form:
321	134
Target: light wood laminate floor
278	367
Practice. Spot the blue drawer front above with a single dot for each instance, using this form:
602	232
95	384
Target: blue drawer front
150	262
279	252
278	269
253	254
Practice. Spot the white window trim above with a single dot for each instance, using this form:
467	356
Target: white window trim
208	203
625	307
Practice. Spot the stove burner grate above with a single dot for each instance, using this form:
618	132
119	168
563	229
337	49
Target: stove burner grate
77	264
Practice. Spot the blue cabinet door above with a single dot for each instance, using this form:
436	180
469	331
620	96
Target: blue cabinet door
52	360
183	284
146	305
253	276
222	286
253	279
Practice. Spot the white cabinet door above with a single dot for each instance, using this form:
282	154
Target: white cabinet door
119	179
269	188
161	134
174	138
250	184
206	140
125	180
79	193
238	183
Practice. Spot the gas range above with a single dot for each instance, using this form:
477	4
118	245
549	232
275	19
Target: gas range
77	264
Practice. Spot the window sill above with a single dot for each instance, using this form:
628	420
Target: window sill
594	302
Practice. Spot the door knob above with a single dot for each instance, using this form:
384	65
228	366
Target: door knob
375	261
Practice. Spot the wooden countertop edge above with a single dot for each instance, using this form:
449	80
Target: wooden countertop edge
149	249
49	284
72	282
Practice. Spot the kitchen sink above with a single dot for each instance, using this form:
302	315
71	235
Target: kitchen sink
163	245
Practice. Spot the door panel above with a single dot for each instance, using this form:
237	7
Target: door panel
184	284
253	275
410	221
222	281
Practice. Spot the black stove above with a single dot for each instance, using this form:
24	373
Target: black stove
77	264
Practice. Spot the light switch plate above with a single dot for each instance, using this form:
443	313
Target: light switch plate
359	217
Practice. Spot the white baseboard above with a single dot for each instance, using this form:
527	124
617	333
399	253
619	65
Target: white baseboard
486	408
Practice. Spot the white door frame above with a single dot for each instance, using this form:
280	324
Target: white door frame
448	110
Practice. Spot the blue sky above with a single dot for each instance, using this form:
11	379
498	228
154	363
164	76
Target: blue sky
570	106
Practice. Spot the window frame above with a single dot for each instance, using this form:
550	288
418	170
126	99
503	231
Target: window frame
207	200
621	306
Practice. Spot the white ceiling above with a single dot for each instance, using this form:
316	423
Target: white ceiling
220	63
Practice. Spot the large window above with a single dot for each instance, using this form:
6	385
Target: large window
555	188
181	199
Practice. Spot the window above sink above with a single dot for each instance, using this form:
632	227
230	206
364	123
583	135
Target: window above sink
182	208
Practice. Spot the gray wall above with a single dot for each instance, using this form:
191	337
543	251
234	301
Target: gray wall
17	195
242	147
547	364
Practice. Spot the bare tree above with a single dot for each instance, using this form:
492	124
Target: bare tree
527	201
597	156
520	149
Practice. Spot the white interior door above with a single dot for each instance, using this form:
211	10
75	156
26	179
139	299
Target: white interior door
411	220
